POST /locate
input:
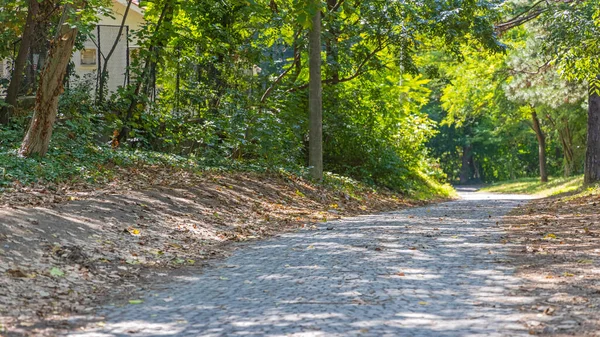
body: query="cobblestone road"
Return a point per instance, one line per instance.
(432, 271)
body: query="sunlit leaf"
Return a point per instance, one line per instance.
(57, 272)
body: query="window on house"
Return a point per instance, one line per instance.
(88, 57)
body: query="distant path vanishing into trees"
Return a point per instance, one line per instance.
(432, 271)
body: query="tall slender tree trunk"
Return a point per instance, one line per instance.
(566, 141)
(541, 145)
(315, 106)
(142, 81)
(567, 146)
(50, 87)
(592, 155)
(104, 72)
(511, 167)
(40, 44)
(465, 168)
(20, 62)
(331, 45)
(475, 169)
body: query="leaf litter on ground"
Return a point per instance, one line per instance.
(65, 249)
(555, 249)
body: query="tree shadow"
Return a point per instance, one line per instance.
(432, 271)
(124, 236)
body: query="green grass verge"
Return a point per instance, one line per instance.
(584, 192)
(554, 186)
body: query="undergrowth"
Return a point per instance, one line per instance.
(75, 156)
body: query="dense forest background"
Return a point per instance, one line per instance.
(400, 94)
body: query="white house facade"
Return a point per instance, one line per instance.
(89, 61)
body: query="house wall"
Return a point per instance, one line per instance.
(109, 27)
(135, 18)
(5, 66)
(107, 31)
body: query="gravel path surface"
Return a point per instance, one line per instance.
(432, 271)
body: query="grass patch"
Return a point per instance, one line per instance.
(587, 191)
(554, 186)
(429, 188)
(426, 188)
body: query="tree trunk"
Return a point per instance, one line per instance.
(50, 87)
(315, 147)
(475, 169)
(331, 45)
(151, 59)
(592, 155)
(567, 146)
(104, 72)
(541, 145)
(39, 45)
(465, 169)
(566, 141)
(20, 62)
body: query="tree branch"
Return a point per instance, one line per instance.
(505, 26)
(336, 6)
(359, 70)
(525, 11)
(282, 75)
(539, 70)
(519, 19)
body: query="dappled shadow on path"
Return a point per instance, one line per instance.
(109, 242)
(431, 271)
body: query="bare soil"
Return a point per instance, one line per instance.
(557, 250)
(64, 250)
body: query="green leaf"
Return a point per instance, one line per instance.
(57, 272)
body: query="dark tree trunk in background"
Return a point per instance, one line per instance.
(315, 107)
(143, 81)
(331, 44)
(475, 170)
(15, 82)
(511, 168)
(50, 87)
(566, 141)
(592, 155)
(465, 169)
(541, 145)
(40, 45)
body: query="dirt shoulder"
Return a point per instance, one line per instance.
(65, 250)
(557, 250)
